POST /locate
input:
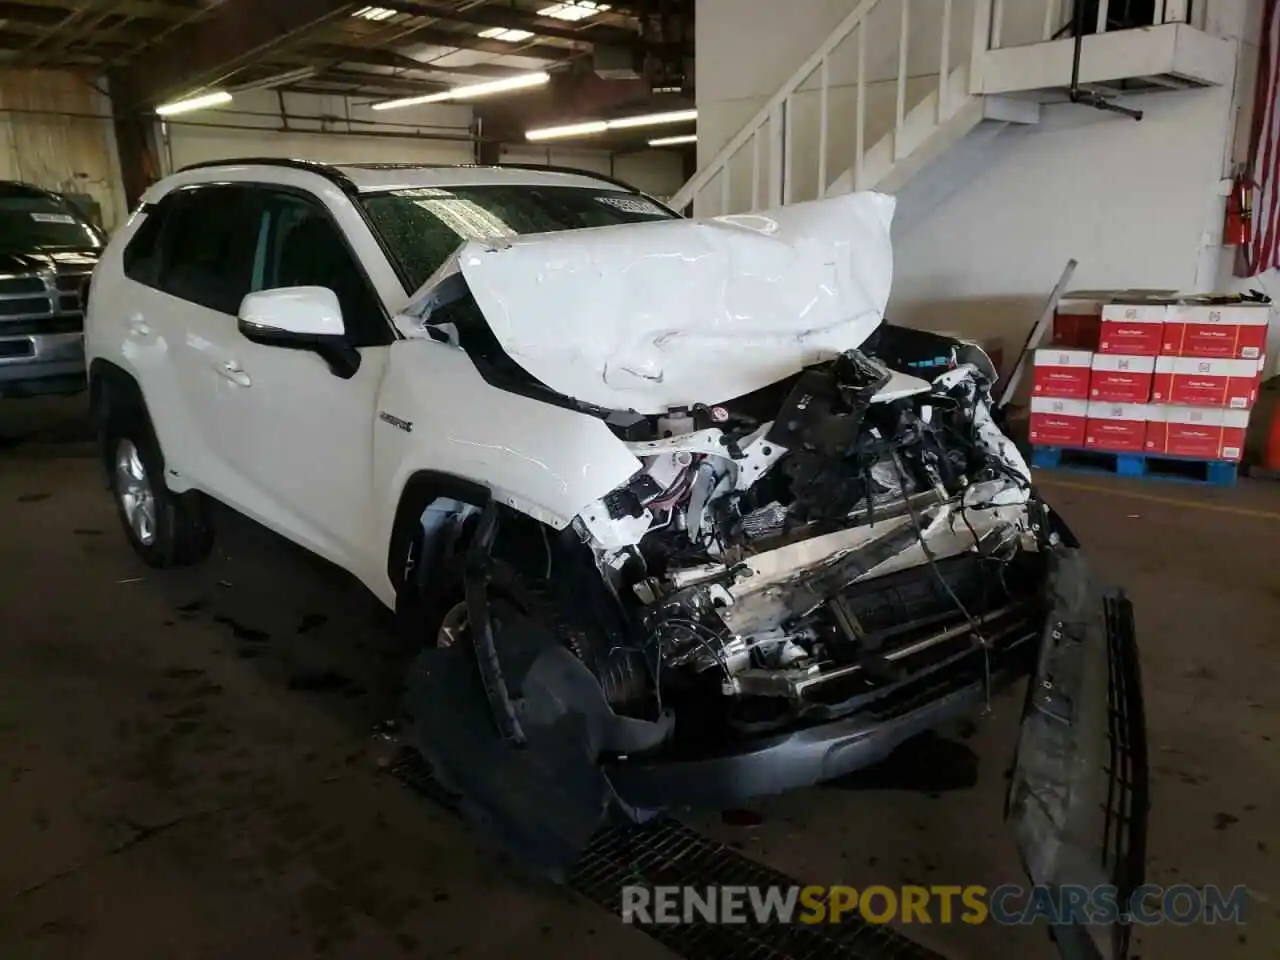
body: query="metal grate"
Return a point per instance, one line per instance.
(24, 306)
(14, 286)
(666, 852)
(72, 323)
(41, 304)
(1124, 840)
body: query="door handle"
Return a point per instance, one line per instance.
(138, 325)
(235, 373)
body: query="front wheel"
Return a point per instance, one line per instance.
(164, 529)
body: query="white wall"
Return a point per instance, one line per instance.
(748, 48)
(1131, 201)
(321, 128)
(990, 235)
(1247, 26)
(56, 132)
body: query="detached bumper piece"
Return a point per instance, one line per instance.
(1078, 800)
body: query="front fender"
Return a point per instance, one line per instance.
(436, 413)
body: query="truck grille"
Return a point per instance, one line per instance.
(41, 303)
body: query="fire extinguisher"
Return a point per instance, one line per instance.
(1235, 232)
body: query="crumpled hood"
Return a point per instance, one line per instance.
(653, 315)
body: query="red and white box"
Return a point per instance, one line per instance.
(1119, 378)
(1077, 323)
(1136, 329)
(1058, 423)
(1193, 382)
(1063, 374)
(1204, 433)
(1222, 332)
(1118, 427)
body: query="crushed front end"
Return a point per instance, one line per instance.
(815, 572)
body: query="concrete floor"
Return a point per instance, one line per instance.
(186, 766)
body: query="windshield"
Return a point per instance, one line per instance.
(421, 228)
(36, 221)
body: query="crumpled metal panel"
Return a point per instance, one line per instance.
(647, 316)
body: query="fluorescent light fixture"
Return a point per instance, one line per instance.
(519, 82)
(194, 103)
(510, 36)
(374, 13)
(674, 141)
(650, 119)
(568, 130)
(573, 10)
(587, 127)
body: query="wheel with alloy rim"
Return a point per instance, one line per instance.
(135, 497)
(165, 529)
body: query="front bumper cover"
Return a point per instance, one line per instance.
(1078, 797)
(954, 689)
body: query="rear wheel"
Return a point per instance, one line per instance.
(165, 530)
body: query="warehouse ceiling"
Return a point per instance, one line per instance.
(157, 50)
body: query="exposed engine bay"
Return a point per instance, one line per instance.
(756, 549)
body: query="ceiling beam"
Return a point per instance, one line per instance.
(406, 67)
(418, 73)
(347, 53)
(209, 51)
(40, 25)
(141, 9)
(376, 81)
(470, 41)
(514, 19)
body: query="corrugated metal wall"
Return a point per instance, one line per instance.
(55, 132)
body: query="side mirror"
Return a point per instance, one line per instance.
(291, 312)
(300, 318)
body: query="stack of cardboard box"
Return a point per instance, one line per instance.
(1163, 376)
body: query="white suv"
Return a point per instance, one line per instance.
(760, 536)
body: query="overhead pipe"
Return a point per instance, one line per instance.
(406, 135)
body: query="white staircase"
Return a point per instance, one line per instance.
(898, 84)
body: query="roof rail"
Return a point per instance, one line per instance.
(329, 172)
(576, 171)
(554, 168)
(344, 183)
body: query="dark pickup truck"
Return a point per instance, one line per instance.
(48, 249)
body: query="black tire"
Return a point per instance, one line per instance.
(174, 532)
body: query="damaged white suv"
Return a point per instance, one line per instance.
(675, 478)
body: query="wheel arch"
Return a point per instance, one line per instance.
(463, 498)
(114, 392)
(420, 490)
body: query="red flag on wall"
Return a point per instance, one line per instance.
(1262, 250)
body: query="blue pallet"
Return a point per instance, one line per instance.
(1218, 473)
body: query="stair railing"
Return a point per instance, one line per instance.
(769, 136)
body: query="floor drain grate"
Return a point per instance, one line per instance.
(666, 852)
